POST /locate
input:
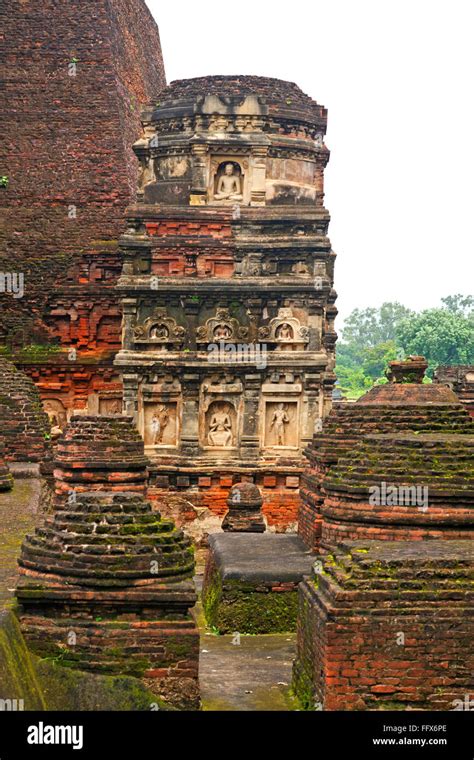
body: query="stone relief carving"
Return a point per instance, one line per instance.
(228, 183)
(160, 424)
(57, 415)
(159, 329)
(286, 331)
(281, 428)
(110, 405)
(218, 415)
(221, 328)
(300, 268)
(220, 431)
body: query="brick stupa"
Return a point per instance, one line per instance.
(103, 453)
(384, 623)
(405, 404)
(106, 585)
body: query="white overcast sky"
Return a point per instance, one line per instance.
(397, 79)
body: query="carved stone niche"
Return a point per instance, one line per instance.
(228, 181)
(219, 413)
(281, 423)
(159, 332)
(221, 329)
(110, 402)
(285, 331)
(56, 412)
(159, 413)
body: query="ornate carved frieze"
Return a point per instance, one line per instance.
(222, 328)
(286, 331)
(159, 330)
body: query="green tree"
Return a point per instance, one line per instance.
(459, 304)
(375, 359)
(442, 336)
(365, 328)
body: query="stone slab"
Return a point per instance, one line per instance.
(267, 557)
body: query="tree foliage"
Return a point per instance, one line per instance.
(374, 336)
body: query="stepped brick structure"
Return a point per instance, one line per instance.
(227, 292)
(388, 625)
(245, 505)
(398, 407)
(24, 425)
(77, 74)
(103, 453)
(6, 479)
(384, 620)
(460, 378)
(106, 585)
(395, 486)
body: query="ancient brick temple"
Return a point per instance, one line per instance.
(227, 291)
(106, 584)
(76, 75)
(385, 621)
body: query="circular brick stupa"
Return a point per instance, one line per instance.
(404, 486)
(106, 585)
(403, 405)
(103, 453)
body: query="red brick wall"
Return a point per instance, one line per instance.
(67, 142)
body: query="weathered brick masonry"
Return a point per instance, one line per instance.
(106, 584)
(394, 408)
(76, 75)
(386, 619)
(388, 625)
(24, 426)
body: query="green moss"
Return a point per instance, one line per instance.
(18, 678)
(235, 606)
(70, 689)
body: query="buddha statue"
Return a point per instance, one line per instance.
(229, 186)
(220, 428)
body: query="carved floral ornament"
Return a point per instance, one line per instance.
(159, 328)
(221, 328)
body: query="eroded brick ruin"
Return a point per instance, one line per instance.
(77, 75)
(108, 571)
(179, 330)
(24, 426)
(385, 621)
(395, 409)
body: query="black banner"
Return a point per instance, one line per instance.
(128, 735)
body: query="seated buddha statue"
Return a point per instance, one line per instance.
(229, 186)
